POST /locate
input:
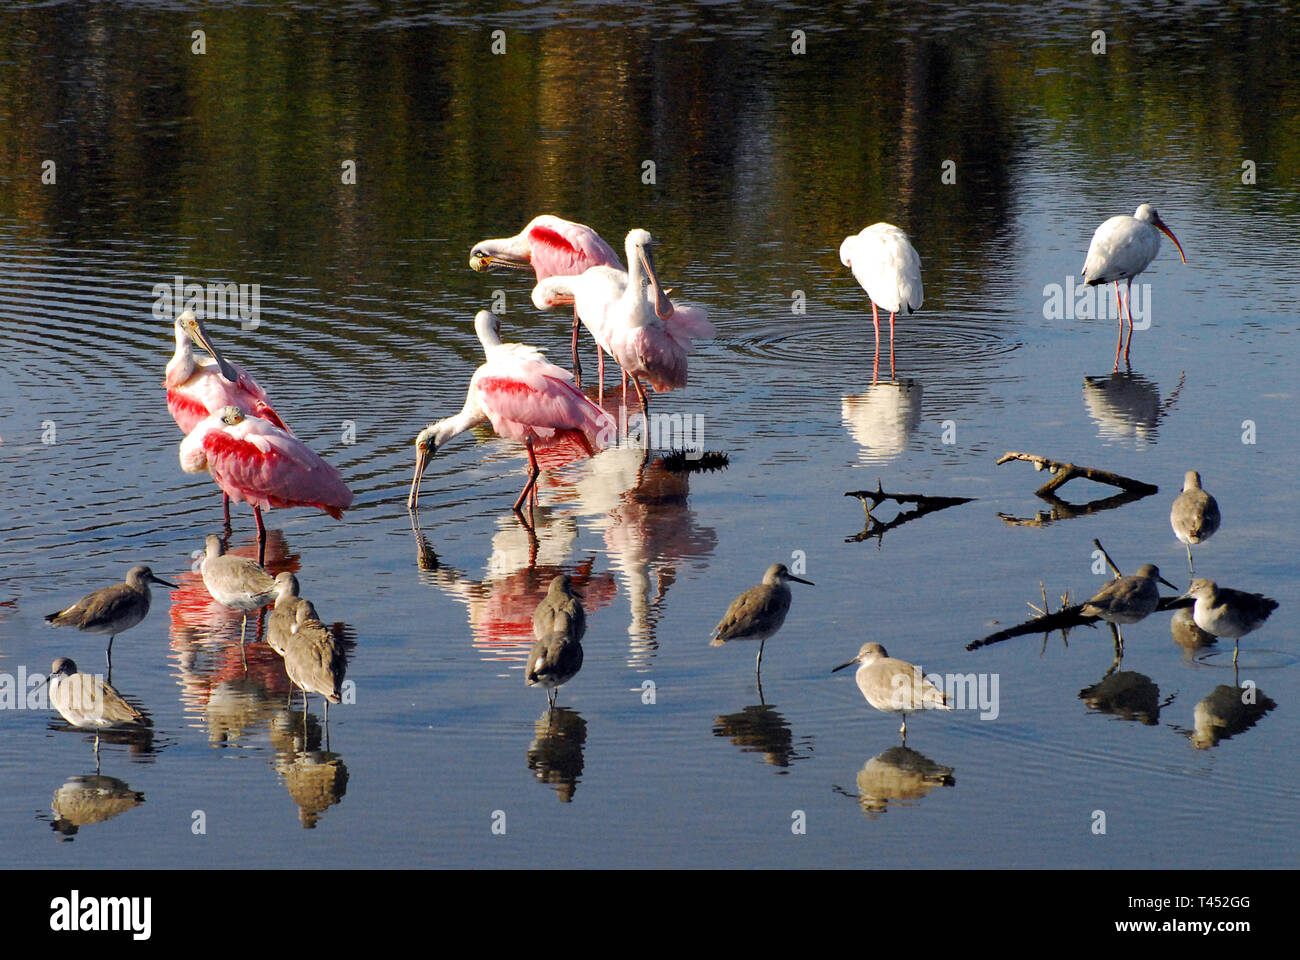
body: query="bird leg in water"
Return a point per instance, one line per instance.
(1119, 310)
(875, 323)
(533, 471)
(645, 411)
(1119, 642)
(261, 536)
(108, 657)
(577, 364)
(225, 504)
(1129, 305)
(891, 344)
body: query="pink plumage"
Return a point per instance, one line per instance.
(525, 397)
(197, 387)
(630, 315)
(550, 245)
(255, 461)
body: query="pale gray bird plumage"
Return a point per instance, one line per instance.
(893, 685)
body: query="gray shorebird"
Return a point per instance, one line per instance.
(85, 700)
(1228, 613)
(238, 582)
(560, 611)
(1127, 600)
(111, 610)
(313, 656)
(555, 659)
(894, 686)
(758, 612)
(1195, 514)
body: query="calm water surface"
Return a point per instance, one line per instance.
(226, 167)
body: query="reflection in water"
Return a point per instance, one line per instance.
(761, 729)
(882, 418)
(91, 798)
(899, 776)
(555, 755)
(1127, 405)
(517, 575)
(316, 779)
(1125, 694)
(1187, 634)
(642, 509)
(1226, 712)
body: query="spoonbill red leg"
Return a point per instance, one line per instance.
(261, 540)
(1119, 310)
(533, 472)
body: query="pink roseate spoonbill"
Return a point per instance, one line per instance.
(525, 397)
(648, 334)
(887, 266)
(255, 461)
(198, 387)
(1122, 248)
(552, 247)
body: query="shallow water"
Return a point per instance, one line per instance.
(202, 166)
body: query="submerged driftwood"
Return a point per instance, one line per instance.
(1063, 473)
(873, 498)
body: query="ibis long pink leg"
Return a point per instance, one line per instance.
(1129, 296)
(1119, 309)
(875, 323)
(891, 344)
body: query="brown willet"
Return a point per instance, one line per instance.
(1195, 514)
(313, 656)
(1127, 600)
(894, 686)
(238, 582)
(87, 701)
(758, 612)
(112, 609)
(1228, 613)
(560, 611)
(554, 660)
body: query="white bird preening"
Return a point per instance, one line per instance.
(884, 261)
(1122, 248)
(630, 316)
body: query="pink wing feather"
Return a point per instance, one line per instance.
(562, 248)
(259, 463)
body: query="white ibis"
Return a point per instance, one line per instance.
(884, 261)
(1122, 248)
